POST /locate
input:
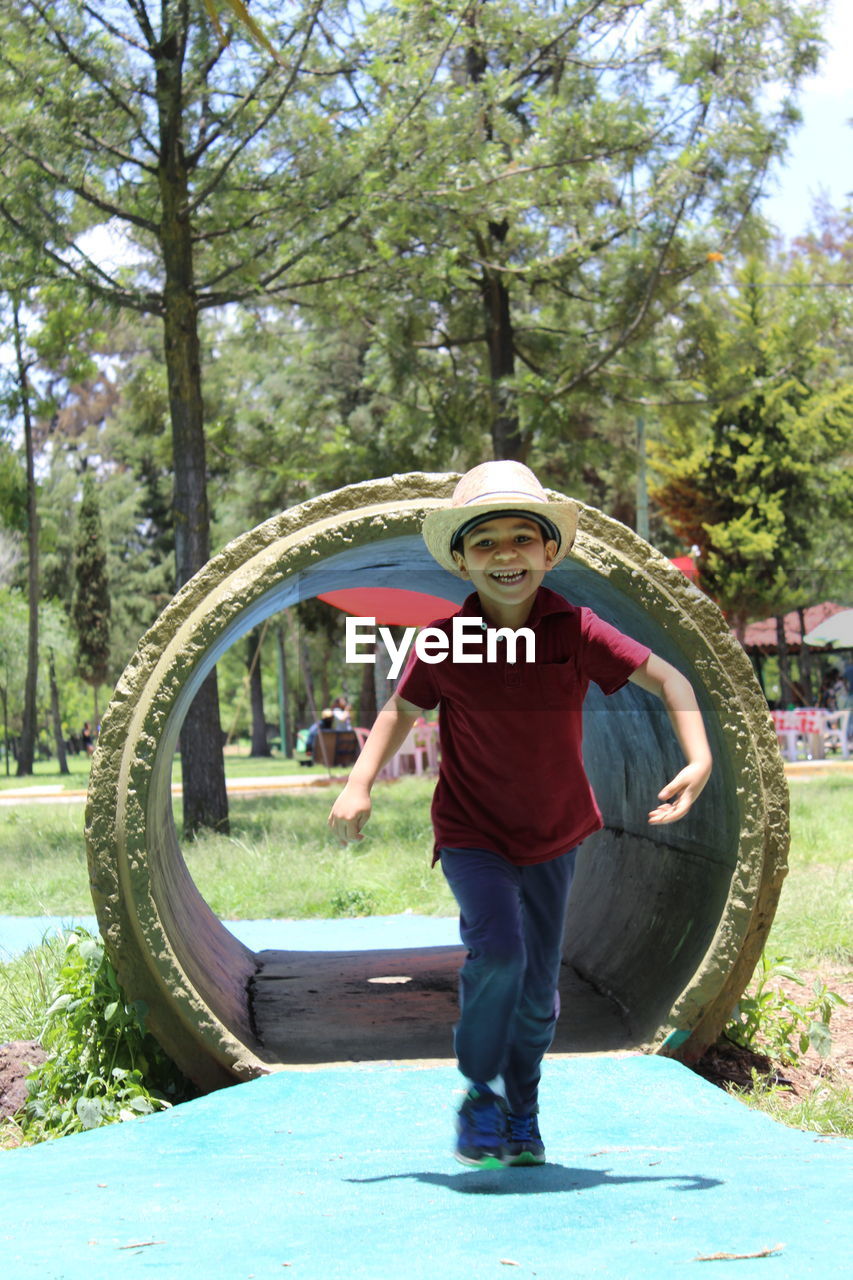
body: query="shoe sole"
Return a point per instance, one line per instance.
(526, 1158)
(484, 1162)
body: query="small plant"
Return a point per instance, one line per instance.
(353, 902)
(102, 1065)
(768, 1019)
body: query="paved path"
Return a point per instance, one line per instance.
(55, 793)
(344, 1173)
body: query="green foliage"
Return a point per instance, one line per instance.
(769, 1020)
(102, 1065)
(532, 205)
(755, 470)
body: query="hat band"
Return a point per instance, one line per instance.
(479, 498)
(550, 530)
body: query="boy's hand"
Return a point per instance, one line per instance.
(682, 791)
(349, 813)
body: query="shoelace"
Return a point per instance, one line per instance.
(520, 1127)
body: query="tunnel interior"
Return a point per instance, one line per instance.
(648, 906)
(644, 905)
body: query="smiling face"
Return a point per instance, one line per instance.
(505, 560)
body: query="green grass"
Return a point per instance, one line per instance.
(814, 921)
(26, 984)
(238, 764)
(279, 861)
(827, 1109)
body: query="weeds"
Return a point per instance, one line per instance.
(768, 1019)
(102, 1065)
(827, 1108)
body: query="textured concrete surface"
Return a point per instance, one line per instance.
(346, 1174)
(668, 924)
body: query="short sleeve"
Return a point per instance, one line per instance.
(418, 683)
(609, 657)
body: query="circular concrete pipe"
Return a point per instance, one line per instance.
(664, 925)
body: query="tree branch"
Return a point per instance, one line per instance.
(274, 107)
(86, 68)
(80, 189)
(101, 284)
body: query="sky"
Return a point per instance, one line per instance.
(821, 155)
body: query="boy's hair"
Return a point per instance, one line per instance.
(550, 532)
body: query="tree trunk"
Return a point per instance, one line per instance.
(787, 693)
(202, 768)
(367, 708)
(56, 716)
(26, 752)
(260, 745)
(5, 728)
(507, 440)
(805, 664)
(284, 727)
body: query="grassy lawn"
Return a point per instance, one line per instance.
(238, 764)
(280, 862)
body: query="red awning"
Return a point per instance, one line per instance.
(390, 606)
(687, 565)
(762, 635)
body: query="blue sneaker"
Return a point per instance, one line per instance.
(480, 1125)
(523, 1143)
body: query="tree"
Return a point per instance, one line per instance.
(91, 608)
(13, 630)
(556, 173)
(207, 153)
(754, 467)
(26, 752)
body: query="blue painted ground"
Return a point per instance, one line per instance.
(345, 1174)
(368, 933)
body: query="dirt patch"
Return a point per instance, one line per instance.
(17, 1060)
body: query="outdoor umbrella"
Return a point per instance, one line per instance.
(835, 632)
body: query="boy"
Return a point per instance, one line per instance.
(512, 802)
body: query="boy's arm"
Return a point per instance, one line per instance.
(676, 693)
(352, 807)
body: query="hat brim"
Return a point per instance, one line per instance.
(441, 526)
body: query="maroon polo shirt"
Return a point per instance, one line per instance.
(512, 778)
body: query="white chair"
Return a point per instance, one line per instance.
(413, 747)
(835, 731)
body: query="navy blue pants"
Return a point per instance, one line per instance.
(511, 921)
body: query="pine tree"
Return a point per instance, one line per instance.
(91, 608)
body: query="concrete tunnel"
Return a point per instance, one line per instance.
(664, 925)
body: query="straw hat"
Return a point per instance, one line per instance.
(501, 489)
